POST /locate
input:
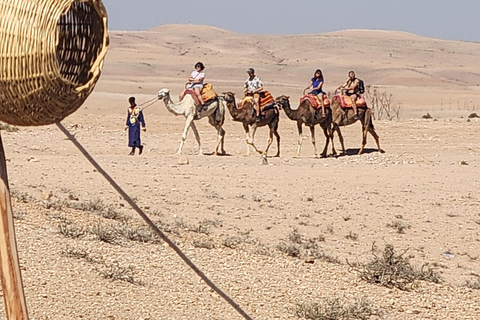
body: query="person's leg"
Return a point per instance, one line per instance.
(320, 97)
(132, 152)
(256, 104)
(354, 105)
(198, 92)
(182, 95)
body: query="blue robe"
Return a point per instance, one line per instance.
(134, 121)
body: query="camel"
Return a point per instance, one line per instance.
(215, 112)
(305, 114)
(246, 117)
(345, 117)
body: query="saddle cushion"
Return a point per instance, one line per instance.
(264, 101)
(314, 100)
(346, 101)
(207, 92)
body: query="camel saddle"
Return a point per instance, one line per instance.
(346, 101)
(315, 101)
(265, 101)
(207, 93)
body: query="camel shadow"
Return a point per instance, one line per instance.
(354, 151)
(219, 154)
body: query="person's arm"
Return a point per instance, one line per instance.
(259, 89)
(343, 85)
(353, 85)
(319, 86)
(310, 85)
(126, 123)
(142, 120)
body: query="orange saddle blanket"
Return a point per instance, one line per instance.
(264, 101)
(346, 101)
(314, 100)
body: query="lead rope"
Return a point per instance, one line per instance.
(153, 99)
(151, 224)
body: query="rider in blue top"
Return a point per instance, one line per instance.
(316, 85)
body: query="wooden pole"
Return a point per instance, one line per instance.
(15, 305)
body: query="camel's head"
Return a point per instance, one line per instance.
(229, 96)
(282, 101)
(163, 93)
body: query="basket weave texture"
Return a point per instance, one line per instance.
(51, 56)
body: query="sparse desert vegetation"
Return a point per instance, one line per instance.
(286, 238)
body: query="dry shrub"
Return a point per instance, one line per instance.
(7, 127)
(70, 230)
(204, 243)
(473, 284)
(289, 249)
(337, 309)
(381, 104)
(391, 269)
(398, 225)
(116, 272)
(106, 234)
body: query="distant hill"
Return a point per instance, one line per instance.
(165, 55)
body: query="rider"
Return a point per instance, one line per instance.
(195, 82)
(254, 87)
(351, 88)
(316, 84)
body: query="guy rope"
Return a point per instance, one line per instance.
(51, 56)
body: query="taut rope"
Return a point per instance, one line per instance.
(152, 225)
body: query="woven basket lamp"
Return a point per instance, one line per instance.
(51, 56)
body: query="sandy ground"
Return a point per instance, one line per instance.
(231, 214)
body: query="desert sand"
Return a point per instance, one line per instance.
(233, 214)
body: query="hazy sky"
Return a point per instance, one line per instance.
(444, 19)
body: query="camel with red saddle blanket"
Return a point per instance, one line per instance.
(343, 115)
(244, 113)
(307, 114)
(214, 109)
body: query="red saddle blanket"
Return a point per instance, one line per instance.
(264, 101)
(346, 101)
(314, 100)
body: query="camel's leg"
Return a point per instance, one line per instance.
(251, 142)
(220, 136)
(278, 141)
(188, 122)
(270, 140)
(197, 136)
(247, 138)
(222, 146)
(340, 137)
(369, 128)
(300, 139)
(375, 136)
(364, 139)
(314, 142)
(327, 133)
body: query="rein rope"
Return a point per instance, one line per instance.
(153, 99)
(151, 223)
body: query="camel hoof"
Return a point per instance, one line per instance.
(381, 151)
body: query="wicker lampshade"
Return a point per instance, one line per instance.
(51, 56)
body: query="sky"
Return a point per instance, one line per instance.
(442, 19)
